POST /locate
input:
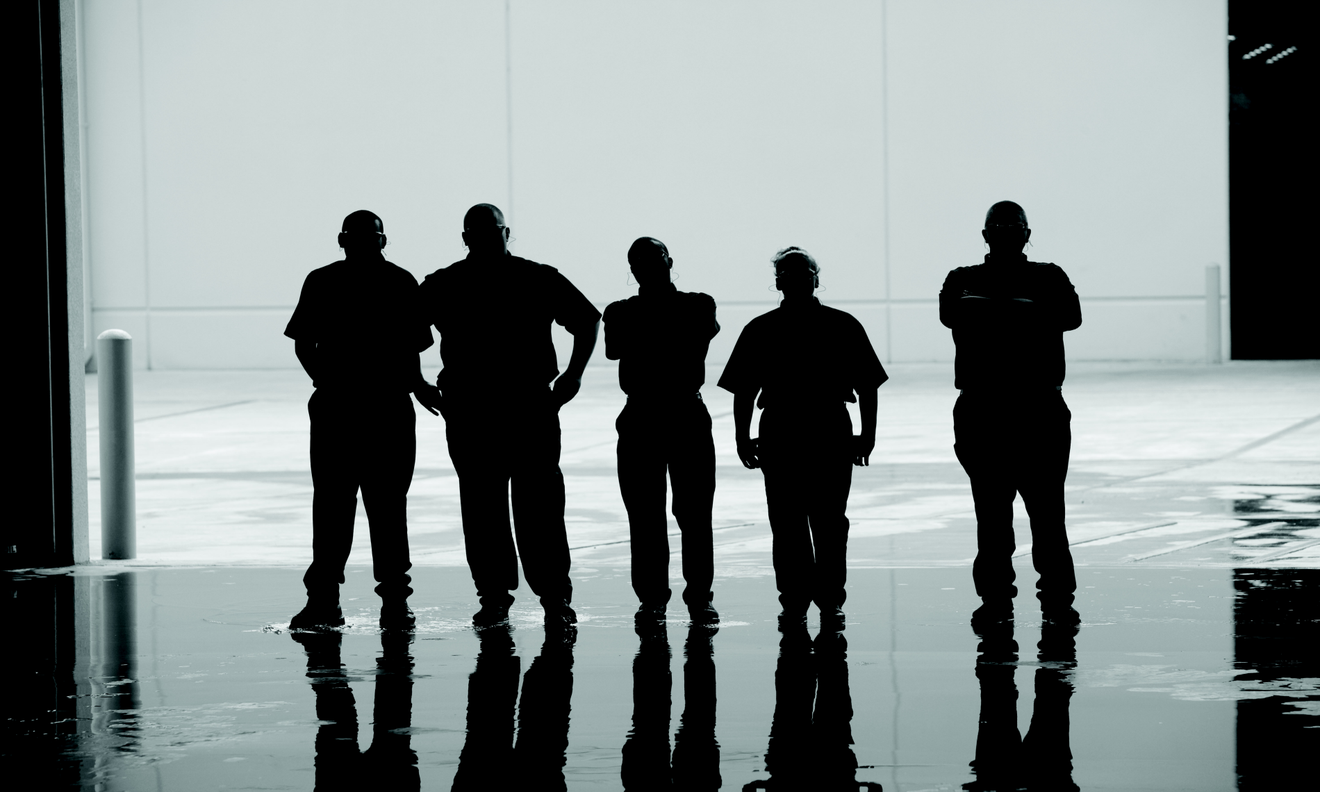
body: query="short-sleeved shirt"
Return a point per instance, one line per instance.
(660, 338)
(1007, 348)
(803, 353)
(494, 316)
(362, 316)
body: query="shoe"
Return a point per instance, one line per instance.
(396, 615)
(649, 615)
(832, 619)
(490, 616)
(558, 615)
(792, 620)
(318, 616)
(703, 613)
(992, 612)
(1061, 616)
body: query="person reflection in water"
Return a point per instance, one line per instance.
(491, 757)
(1010, 423)
(811, 735)
(805, 360)
(696, 757)
(390, 762)
(356, 335)
(660, 338)
(494, 312)
(1005, 760)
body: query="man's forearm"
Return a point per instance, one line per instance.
(306, 352)
(868, 402)
(743, 405)
(584, 343)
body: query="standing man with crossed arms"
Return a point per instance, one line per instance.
(1010, 424)
(493, 311)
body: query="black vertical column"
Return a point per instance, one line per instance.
(1273, 278)
(40, 532)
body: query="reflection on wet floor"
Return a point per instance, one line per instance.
(1179, 678)
(1004, 758)
(390, 762)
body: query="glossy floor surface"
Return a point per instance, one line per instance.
(186, 679)
(1194, 513)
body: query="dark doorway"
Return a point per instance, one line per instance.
(1273, 275)
(38, 531)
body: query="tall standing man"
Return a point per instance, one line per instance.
(805, 361)
(357, 335)
(1011, 425)
(660, 338)
(494, 311)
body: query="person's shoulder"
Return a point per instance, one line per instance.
(839, 316)
(621, 306)
(399, 274)
(328, 277)
(764, 321)
(1045, 269)
(961, 272)
(445, 273)
(836, 313)
(520, 264)
(330, 270)
(697, 299)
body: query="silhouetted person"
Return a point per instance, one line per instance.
(811, 736)
(491, 758)
(494, 311)
(390, 762)
(806, 361)
(1011, 425)
(660, 338)
(695, 764)
(1005, 760)
(357, 335)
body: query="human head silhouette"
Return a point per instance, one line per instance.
(362, 233)
(1006, 230)
(796, 272)
(650, 262)
(484, 231)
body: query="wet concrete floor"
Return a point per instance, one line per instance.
(1193, 509)
(181, 679)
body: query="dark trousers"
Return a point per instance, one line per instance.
(1017, 444)
(499, 449)
(673, 437)
(806, 457)
(365, 442)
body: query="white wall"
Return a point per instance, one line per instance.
(226, 141)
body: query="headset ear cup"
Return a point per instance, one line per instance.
(340, 239)
(382, 241)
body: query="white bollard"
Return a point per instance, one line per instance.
(114, 365)
(1214, 345)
